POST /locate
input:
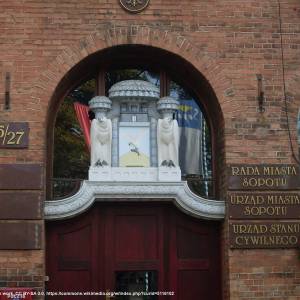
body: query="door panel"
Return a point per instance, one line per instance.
(191, 244)
(70, 256)
(134, 246)
(136, 237)
(194, 265)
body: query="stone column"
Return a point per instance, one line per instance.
(115, 142)
(153, 142)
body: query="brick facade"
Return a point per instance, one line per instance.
(228, 42)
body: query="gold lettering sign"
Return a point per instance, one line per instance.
(264, 205)
(249, 235)
(14, 135)
(263, 177)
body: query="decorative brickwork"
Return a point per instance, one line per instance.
(43, 44)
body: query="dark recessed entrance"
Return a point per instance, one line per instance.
(140, 247)
(135, 248)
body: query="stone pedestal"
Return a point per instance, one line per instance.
(164, 174)
(169, 174)
(134, 174)
(100, 174)
(123, 174)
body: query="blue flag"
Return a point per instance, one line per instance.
(189, 117)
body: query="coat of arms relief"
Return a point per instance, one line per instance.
(134, 6)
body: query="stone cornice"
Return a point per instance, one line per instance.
(92, 191)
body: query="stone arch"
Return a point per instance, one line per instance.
(59, 77)
(108, 35)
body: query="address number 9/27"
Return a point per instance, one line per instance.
(14, 135)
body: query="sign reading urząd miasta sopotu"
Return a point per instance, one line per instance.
(259, 192)
(264, 205)
(263, 177)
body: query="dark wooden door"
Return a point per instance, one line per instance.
(73, 256)
(134, 247)
(194, 265)
(135, 243)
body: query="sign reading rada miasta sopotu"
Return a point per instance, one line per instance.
(263, 177)
(260, 192)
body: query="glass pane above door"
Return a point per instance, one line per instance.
(138, 284)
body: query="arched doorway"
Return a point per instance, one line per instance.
(139, 246)
(135, 247)
(169, 67)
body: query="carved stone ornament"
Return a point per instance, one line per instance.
(134, 6)
(177, 192)
(133, 89)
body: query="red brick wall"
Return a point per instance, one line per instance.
(22, 269)
(229, 42)
(264, 274)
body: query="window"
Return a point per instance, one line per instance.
(71, 154)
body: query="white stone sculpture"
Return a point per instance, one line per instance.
(101, 133)
(167, 133)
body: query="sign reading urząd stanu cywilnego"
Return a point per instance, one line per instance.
(266, 234)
